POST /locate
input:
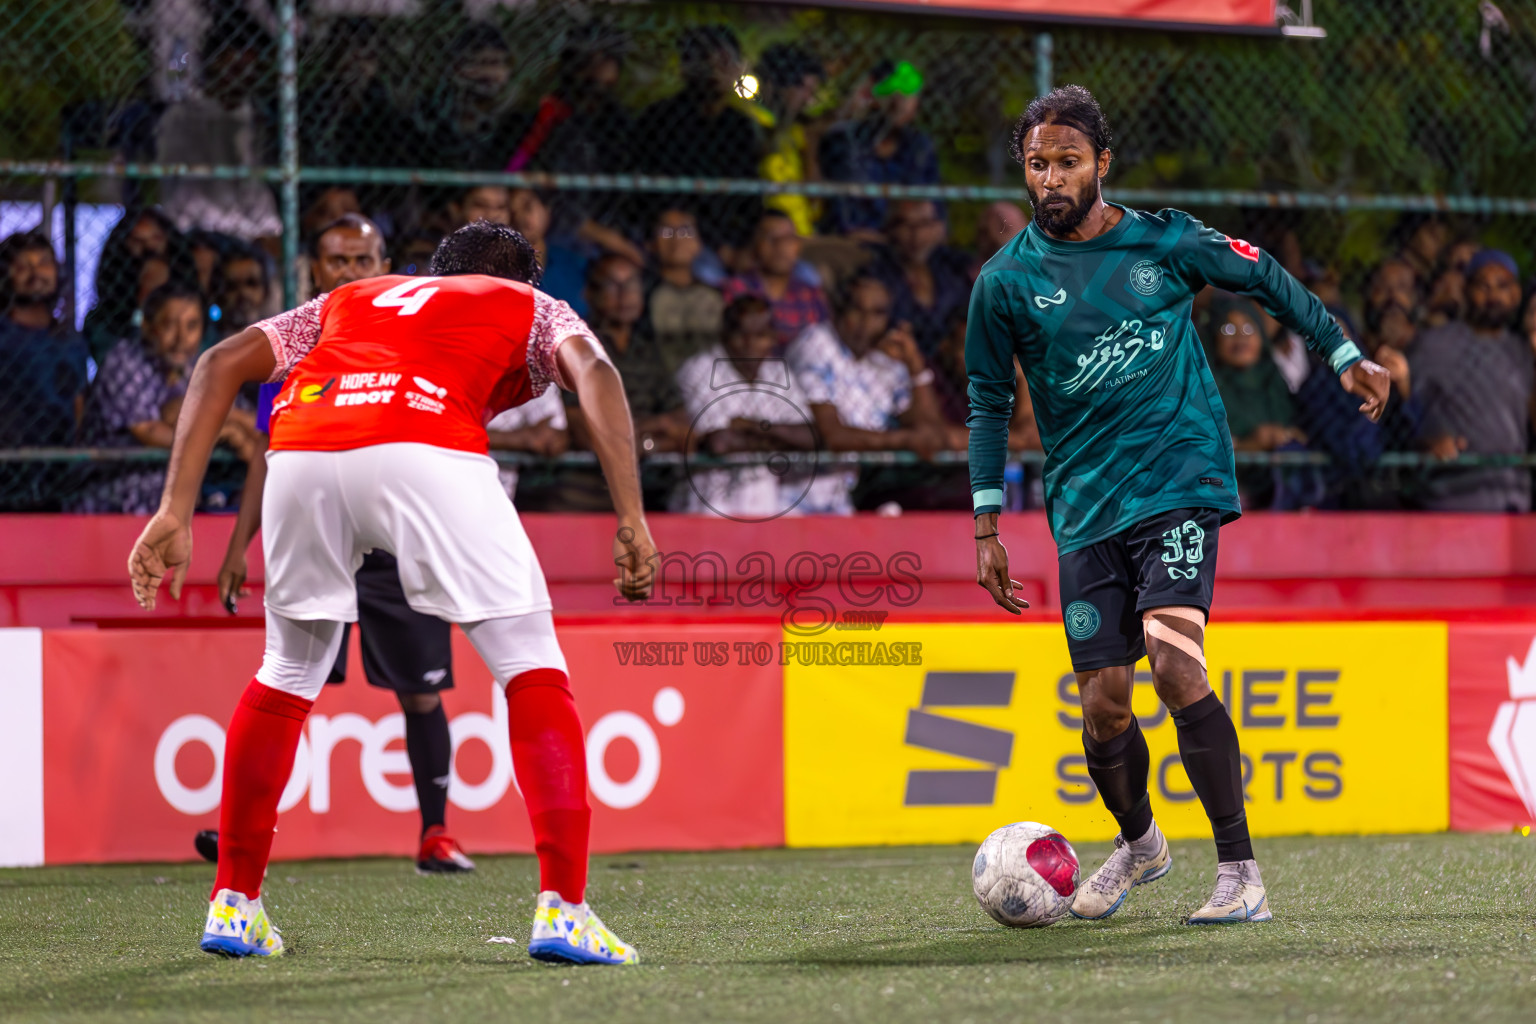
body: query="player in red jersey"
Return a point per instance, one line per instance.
(378, 441)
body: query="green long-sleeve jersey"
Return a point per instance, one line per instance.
(1129, 416)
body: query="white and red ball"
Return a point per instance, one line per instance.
(1025, 874)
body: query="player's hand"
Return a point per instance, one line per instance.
(1397, 366)
(992, 573)
(232, 581)
(927, 441)
(752, 434)
(1266, 437)
(1369, 381)
(549, 442)
(1447, 447)
(900, 345)
(240, 438)
(635, 555)
(164, 548)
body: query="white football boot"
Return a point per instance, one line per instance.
(1239, 896)
(1101, 894)
(239, 927)
(571, 933)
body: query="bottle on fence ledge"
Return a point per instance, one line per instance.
(1013, 486)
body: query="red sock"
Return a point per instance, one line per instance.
(258, 758)
(549, 754)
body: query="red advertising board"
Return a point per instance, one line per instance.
(1492, 726)
(682, 754)
(1252, 14)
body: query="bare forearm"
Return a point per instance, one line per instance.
(523, 439)
(1024, 438)
(667, 431)
(837, 436)
(576, 424)
(798, 436)
(248, 521)
(609, 240)
(246, 356)
(746, 434)
(152, 433)
(924, 408)
(209, 399)
(612, 435)
(923, 414)
(852, 439)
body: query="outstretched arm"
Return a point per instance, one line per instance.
(1208, 256)
(585, 369)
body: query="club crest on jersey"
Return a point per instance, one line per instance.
(1146, 277)
(1247, 250)
(1042, 301)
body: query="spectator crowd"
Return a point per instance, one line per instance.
(742, 325)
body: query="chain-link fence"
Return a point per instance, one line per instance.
(171, 160)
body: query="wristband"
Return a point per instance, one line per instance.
(1345, 356)
(922, 379)
(985, 536)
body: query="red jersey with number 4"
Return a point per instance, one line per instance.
(424, 359)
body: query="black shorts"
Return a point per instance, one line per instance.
(403, 650)
(1164, 561)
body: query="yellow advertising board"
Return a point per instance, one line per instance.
(1342, 725)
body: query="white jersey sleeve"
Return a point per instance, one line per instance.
(293, 334)
(553, 322)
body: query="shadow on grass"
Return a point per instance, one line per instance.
(972, 947)
(294, 983)
(1239, 946)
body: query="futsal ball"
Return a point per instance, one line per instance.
(1024, 875)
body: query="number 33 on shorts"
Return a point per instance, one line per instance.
(1185, 544)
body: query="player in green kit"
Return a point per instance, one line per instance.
(1093, 300)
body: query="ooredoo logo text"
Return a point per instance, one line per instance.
(386, 771)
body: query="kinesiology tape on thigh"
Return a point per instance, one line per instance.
(1163, 632)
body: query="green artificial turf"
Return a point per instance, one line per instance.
(1365, 929)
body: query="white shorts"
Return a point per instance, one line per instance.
(442, 513)
(300, 653)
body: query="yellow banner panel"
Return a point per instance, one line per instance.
(941, 733)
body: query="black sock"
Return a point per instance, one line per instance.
(430, 748)
(1208, 746)
(1118, 767)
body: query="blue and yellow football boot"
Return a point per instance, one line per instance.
(571, 933)
(239, 927)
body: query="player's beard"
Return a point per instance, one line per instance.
(1491, 317)
(1061, 220)
(48, 297)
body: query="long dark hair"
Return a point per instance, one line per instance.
(117, 275)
